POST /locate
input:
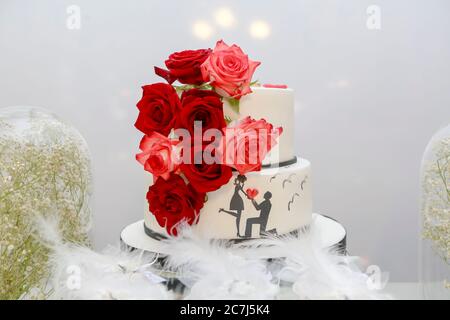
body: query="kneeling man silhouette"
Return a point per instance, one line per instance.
(264, 207)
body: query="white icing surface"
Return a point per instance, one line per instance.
(275, 106)
(285, 184)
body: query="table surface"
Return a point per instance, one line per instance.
(397, 290)
(404, 290)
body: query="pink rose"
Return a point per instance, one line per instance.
(247, 142)
(229, 70)
(159, 155)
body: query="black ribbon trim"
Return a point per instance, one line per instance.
(278, 165)
(340, 247)
(153, 234)
(281, 164)
(159, 236)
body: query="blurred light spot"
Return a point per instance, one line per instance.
(259, 29)
(339, 84)
(224, 17)
(202, 30)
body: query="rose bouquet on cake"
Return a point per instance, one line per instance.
(189, 146)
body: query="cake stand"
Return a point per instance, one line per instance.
(332, 236)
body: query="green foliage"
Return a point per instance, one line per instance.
(234, 104)
(228, 120)
(185, 87)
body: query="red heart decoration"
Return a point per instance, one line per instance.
(252, 193)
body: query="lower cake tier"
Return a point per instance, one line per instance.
(274, 200)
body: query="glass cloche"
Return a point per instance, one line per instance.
(44, 172)
(435, 209)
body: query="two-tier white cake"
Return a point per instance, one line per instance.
(283, 201)
(255, 186)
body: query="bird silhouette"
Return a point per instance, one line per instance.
(288, 179)
(292, 200)
(303, 182)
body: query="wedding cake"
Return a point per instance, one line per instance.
(220, 150)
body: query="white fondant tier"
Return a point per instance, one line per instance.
(275, 106)
(288, 209)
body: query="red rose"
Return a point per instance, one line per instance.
(200, 105)
(157, 109)
(184, 66)
(229, 70)
(206, 177)
(159, 155)
(171, 201)
(247, 142)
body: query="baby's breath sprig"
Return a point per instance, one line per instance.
(44, 170)
(436, 201)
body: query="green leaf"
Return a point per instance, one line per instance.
(254, 83)
(205, 86)
(228, 120)
(185, 87)
(182, 88)
(234, 104)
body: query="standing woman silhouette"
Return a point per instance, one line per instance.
(236, 203)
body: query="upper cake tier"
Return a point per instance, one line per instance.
(276, 106)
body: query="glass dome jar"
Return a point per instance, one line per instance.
(44, 171)
(435, 214)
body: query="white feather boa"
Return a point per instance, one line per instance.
(215, 270)
(114, 274)
(317, 273)
(208, 269)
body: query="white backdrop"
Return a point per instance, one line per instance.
(367, 100)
